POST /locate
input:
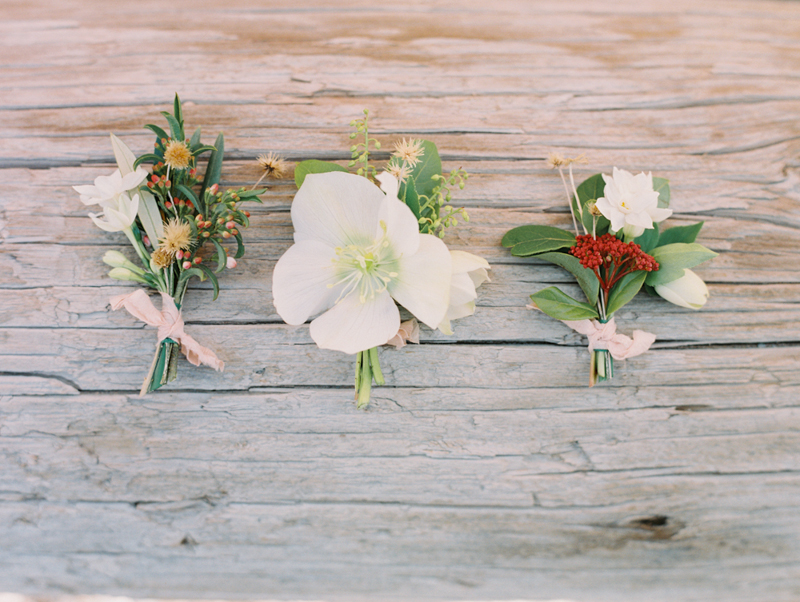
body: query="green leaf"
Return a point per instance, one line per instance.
(189, 194)
(586, 278)
(561, 306)
(176, 109)
(251, 195)
(186, 274)
(531, 240)
(195, 141)
(648, 239)
(661, 186)
(674, 258)
(213, 278)
(408, 194)
(201, 149)
(148, 157)
(589, 191)
(157, 131)
(239, 245)
(428, 166)
(625, 290)
(314, 166)
(222, 257)
(214, 167)
(686, 234)
(174, 127)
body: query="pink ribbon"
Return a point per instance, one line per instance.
(169, 323)
(409, 332)
(604, 336)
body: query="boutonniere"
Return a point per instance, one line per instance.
(367, 244)
(180, 224)
(617, 249)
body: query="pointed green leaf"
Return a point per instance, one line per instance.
(157, 131)
(195, 141)
(174, 127)
(314, 166)
(201, 149)
(188, 193)
(586, 278)
(561, 306)
(686, 234)
(624, 291)
(222, 257)
(148, 157)
(178, 111)
(674, 258)
(213, 278)
(239, 245)
(187, 274)
(531, 240)
(214, 168)
(591, 189)
(661, 186)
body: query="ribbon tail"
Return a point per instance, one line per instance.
(623, 347)
(197, 354)
(139, 305)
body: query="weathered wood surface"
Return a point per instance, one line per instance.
(485, 469)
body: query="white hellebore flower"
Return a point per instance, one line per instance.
(469, 272)
(120, 216)
(688, 291)
(106, 189)
(355, 250)
(630, 203)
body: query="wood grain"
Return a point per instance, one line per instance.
(485, 469)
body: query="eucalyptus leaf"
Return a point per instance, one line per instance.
(686, 234)
(561, 306)
(532, 240)
(586, 278)
(310, 166)
(674, 258)
(408, 194)
(625, 290)
(429, 165)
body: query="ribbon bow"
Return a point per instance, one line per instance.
(169, 323)
(408, 333)
(605, 336)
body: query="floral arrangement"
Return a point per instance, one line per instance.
(361, 249)
(170, 216)
(617, 250)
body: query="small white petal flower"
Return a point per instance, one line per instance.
(120, 216)
(688, 291)
(630, 203)
(106, 189)
(469, 272)
(355, 250)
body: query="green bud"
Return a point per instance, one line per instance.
(117, 260)
(377, 144)
(126, 274)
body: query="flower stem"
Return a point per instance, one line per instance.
(364, 380)
(376, 366)
(569, 201)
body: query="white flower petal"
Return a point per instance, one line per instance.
(336, 208)
(301, 279)
(389, 184)
(133, 179)
(611, 213)
(423, 282)
(467, 262)
(687, 291)
(640, 219)
(402, 228)
(351, 326)
(659, 215)
(462, 289)
(478, 277)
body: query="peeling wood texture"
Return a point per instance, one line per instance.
(485, 469)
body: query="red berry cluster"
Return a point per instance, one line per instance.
(610, 258)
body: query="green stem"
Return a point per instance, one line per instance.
(365, 382)
(376, 366)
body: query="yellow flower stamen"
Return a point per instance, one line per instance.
(177, 155)
(409, 151)
(177, 236)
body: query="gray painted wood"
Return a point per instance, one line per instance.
(485, 469)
